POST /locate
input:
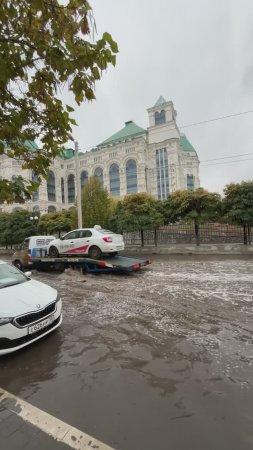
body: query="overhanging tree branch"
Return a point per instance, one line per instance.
(50, 34)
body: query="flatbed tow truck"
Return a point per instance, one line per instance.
(119, 264)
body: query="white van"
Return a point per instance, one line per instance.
(32, 247)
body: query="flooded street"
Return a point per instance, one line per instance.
(158, 360)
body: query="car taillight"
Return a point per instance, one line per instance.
(107, 239)
(101, 264)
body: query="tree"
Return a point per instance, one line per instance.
(45, 45)
(56, 222)
(137, 212)
(198, 206)
(96, 204)
(237, 206)
(3, 226)
(15, 227)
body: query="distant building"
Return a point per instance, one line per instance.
(159, 161)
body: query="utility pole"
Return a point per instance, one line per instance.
(78, 189)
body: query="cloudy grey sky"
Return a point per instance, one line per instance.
(197, 53)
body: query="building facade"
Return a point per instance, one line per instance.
(159, 161)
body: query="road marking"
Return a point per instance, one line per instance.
(60, 431)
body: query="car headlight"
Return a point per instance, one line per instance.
(5, 320)
(58, 298)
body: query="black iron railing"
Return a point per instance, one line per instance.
(210, 233)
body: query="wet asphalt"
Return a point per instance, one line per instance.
(158, 360)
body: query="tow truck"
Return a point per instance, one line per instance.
(33, 253)
(119, 264)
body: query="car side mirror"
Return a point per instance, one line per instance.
(28, 274)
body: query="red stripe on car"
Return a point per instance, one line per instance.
(78, 249)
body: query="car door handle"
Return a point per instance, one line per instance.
(88, 240)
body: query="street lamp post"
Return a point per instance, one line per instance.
(34, 218)
(78, 189)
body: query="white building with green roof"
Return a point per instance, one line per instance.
(158, 160)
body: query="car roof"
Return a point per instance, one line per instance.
(81, 229)
(41, 237)
(91, 229)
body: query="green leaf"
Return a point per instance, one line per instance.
(95, 73)
(69, 108)
(108, 38)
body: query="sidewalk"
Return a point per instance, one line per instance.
(175, 249)
(24, 426)
(17, 434)
(186, 249)
(4, 251)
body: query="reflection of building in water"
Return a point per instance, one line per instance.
(159, 160)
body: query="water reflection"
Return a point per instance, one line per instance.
(24, 370)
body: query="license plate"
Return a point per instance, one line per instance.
(43, 324)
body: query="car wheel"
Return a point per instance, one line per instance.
(41, 267)
(59, 267)
(53, 252)
(95, 252)
(18, 264)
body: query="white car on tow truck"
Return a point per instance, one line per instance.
(93, 242)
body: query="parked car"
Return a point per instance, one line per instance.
(93, 242)
(29, 309)
(32, 247)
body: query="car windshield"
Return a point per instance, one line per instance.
(9, 276)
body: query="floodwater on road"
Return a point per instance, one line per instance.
(161, 359)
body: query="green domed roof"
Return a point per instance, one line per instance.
(129, 131)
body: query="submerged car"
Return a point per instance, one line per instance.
(29, 309)
(93, 242)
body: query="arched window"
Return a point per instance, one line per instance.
(71, 189)
(17, 208)
(131, 176)
(84, 178)
(99, 175)
(160, 117)
(36, 208)
(62, 191)
(157, 115)
(114, 180)
(51, 186)
(13, 178)
(35, 195)
(190, 182)
(51, 208)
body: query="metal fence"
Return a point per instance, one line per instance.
(184, 233)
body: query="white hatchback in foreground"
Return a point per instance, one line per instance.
(87, 241)
(29, 309)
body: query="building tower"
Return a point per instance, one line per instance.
(167, 160)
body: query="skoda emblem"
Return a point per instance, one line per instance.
(38, 306)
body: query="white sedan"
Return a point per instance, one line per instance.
(87, 241)
(29, 309)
